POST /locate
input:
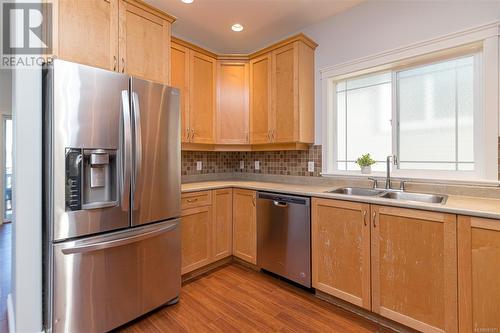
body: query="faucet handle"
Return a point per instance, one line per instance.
(375, 182)
(402, 184)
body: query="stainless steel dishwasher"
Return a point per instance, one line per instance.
(284, 236)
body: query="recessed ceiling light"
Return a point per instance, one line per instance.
(237, 27)
(187, 1)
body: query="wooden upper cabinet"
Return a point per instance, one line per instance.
(223, 223)
(341, 250)
(285, 94)
(245, 225)
(202, 70)
(86, 32)
(414, 268)
(180, 79)
(144, 39)
(479, 271)
(260, 99)
(232, 118)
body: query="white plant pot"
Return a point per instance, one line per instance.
(366, 170)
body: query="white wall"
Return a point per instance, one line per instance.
(377, 26)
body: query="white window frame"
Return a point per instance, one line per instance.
(486, 131)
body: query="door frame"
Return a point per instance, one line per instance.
(3, 155)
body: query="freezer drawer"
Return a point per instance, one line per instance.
(103, 282)
(284, 236)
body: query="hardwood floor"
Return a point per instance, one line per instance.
(237, 299)
(5, 264)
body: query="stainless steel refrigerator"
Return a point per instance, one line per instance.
(111, 151)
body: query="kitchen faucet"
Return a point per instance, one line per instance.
(388, 175)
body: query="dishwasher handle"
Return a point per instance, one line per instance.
(280, 204)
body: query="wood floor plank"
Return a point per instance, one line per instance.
(235, 298)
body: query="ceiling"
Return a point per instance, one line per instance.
(207, 23)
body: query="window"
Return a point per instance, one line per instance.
(426, 115)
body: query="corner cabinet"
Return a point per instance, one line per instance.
(245, 225)
(478, 274)
(414, 268)
(128, 36)
(341, 250)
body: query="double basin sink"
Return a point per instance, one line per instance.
(392, 194)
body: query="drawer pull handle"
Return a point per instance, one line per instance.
(374, 219)
(364, 218)
(192, 200)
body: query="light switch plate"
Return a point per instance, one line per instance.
(310, 166)
(242, 165)
(257, 165)
(199, 166)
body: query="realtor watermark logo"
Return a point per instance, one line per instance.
(26, 33)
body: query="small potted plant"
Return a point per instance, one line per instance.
(365, 162)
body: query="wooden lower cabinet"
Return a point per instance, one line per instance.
(479, 274)
(196, 238)
(245, 225)
(414, 268)
(341, 250)
(223, 223)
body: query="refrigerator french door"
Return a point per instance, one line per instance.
(112, 197)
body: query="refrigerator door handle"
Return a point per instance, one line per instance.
(138, 150)
(126, 152)
(117, 242)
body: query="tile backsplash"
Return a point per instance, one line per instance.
(290, 163)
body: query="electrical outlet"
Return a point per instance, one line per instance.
(242, 165)
(199, 166)
(257, 165)
(310, 166)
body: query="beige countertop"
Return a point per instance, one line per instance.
(462, 205)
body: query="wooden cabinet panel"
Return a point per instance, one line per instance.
(86, 32)
(260, 99)
(479, 272)
(232, 103)
(202, 97)
(285, 93)
(341, 250)
(414, 268)
(179, 70)
(245, 225)
(196, 234)
(223, 223)
(144, 42)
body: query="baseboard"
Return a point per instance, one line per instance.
(373, 317)
(10, 314)
(205, 269)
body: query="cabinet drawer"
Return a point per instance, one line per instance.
(196, 199)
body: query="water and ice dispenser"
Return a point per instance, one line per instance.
(91, 178)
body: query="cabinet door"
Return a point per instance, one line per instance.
(244, 225)
(86, 32)
(232, 103)
(414, 268)
(196, 234)
(180, 79)
(202, 97)
(260, 99)
(285, 94)
(223, 223)
(479, 272)
(341, 250)
(144, 40)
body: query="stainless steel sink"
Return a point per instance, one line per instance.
(392, 194)
(357, 191)
(419, 197)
